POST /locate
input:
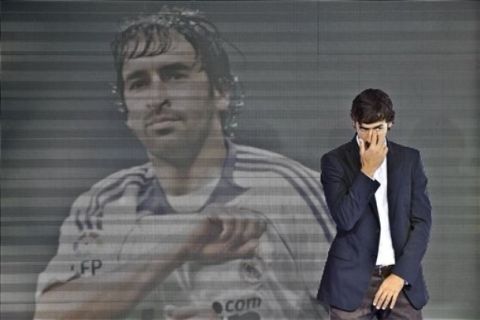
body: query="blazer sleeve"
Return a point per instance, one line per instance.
(346, 200)
(407, 265)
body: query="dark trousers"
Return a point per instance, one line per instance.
(403, 310)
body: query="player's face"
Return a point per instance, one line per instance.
(171, 105)
(365, 130)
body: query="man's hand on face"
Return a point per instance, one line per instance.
(225, 233)
(372, 152)
(387, 294)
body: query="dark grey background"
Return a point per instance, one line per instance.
(303, 64)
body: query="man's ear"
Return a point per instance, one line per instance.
(128, 122)
(389, 125)
(222, 100)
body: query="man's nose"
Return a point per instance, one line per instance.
(158, 96)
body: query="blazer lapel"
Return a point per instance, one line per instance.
(353, 158)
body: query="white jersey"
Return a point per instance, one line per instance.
(127, 213)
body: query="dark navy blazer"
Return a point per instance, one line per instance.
(351, 201)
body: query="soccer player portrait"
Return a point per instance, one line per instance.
(207, 228)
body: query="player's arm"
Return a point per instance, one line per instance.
(347, 201)
(210, 239)
(108, 295)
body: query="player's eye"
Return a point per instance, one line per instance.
(137, 84)
(368, 129)
(173, 75)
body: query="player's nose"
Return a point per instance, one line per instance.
(158, 97)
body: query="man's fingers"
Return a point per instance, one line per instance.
(394, 300)
(247, 249)
(387, 294)
(376, 138)
(250, 229)
(215, 224)
(381, 300)
(387, 299)
(380, 297)
(228, 225)
(362, 147)
(254, 229)
(238, 232)
(377, 297)
(232, 232)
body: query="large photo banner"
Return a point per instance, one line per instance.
(165, 160)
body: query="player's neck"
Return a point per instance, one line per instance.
(181, 179)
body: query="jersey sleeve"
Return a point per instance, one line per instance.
(90, 238)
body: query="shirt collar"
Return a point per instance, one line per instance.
(152, 197)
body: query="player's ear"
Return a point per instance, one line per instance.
(389, 125)
(126, 119)
(222, 100)
(129, 124)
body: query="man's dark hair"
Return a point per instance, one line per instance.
(151, 35)
(372, 105)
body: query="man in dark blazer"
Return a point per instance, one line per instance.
(376, 193)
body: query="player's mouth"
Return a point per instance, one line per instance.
(163, 124)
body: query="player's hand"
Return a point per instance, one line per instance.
(387, 294)
(190, 313)
(372, 152)
(225, 233)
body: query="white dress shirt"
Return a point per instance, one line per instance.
(386, 254)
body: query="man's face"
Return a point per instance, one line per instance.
(171, 106)
(366, 131)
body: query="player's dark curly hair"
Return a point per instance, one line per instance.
(372, 105)
(150, 35)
